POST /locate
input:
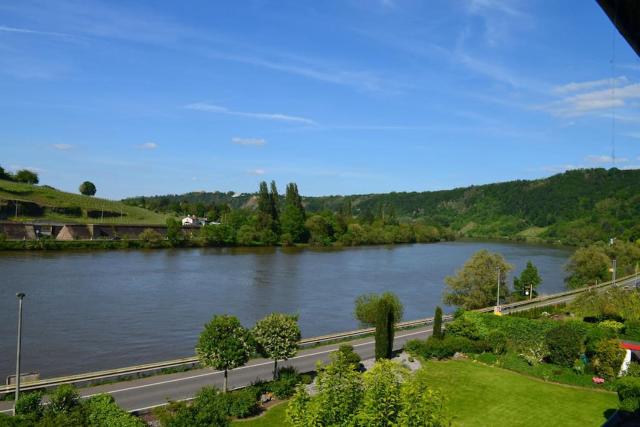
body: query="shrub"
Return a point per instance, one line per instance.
(349, 355)
(285, 385)
(434, 348)
(628, 389)
(565, 343)
(595, 336)
(30, 404)
(632, 330)
(608, 358)
(497, 342)
(535, 353)
(102, 410)
(614, 326)
(633, 370)
(465, 326)
(242, 403)
(64, 399)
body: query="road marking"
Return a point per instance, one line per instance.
(244, 367)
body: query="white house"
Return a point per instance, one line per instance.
(189, 220)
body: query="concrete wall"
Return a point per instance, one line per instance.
(20, 231)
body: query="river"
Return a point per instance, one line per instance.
(87, 311)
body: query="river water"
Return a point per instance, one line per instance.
(87, 311)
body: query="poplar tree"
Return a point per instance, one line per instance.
(293, 215)
(437, 324)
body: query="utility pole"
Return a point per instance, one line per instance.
(20, 297)
(635, 281)
(613, 271)
(531, 291)
(498, 296)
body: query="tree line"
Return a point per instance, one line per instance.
(576, 207)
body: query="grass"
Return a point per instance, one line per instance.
(544, 371)
(60, 206)
(481, 395)
(274, 417)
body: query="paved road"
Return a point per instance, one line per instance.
(146, 393)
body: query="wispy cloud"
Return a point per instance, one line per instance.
(249, 141)
(62, 147)
(211, 108)
(589, 85)
(6, 29)
(148, 146)
(599, 159)
(594, 101)
(257, 171)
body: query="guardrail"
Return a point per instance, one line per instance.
(150, 368)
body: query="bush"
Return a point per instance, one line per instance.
(63, 399)
(633, 370)
(497, 342)
(595, 336)
(30, 404)
(102, 410)
(349, 356)
(465, 326)
(285, 386)
(434, 348)
(632, 330)
(614, 326)
(628, 389)
(242, 403)
(608, 358)
(565, 344)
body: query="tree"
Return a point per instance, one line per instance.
(475, 284)
(366, 307)
(224, 344)
(527, 282)
(381, 399)
(87, 188)
(586, 266)
(320, 230)
(293, 215)
(277, 336)
(385, 327)
(5, 175)
(382, 311)
(339, 395)
(174, 231)
(437, 324)
(26, 176)
(421, 405)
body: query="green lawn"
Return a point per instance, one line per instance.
(481, 395)
(274, 417)
(51, 199)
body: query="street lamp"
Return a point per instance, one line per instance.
(498, 296)
(20, 298)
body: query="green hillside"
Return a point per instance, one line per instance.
(574, 207)
(44, 203)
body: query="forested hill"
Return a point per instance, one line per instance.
(573, 207)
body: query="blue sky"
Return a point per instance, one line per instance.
(342, 97)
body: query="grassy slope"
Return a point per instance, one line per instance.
(50, 198)
(274, 417)
(481, 395)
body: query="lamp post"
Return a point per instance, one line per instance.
(498, 296)
(20, 298)
(613, 272)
